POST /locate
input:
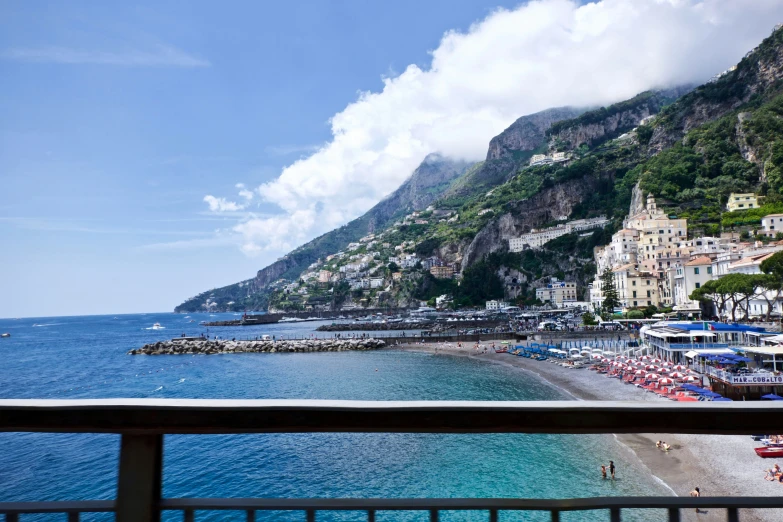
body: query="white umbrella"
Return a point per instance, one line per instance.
(640, 372)
(653, 376)
(665, 381)
(679, 368)
(677, 375)
(691, 378)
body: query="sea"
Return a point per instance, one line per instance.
(86, 357)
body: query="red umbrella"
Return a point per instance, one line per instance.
(680, 368)
(691, 378)
(656, 360)
(665, 381)
(640, 372)
(645, 357)
(651, 367)
(653, 376)
(677, 375)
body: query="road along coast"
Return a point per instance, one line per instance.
(717, 464)
(192, 346)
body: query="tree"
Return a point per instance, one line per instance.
(635, 314)
(588, 319)
(393, 267)
(772, 281)
(611, 299)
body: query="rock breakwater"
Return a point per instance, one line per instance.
(210, 347)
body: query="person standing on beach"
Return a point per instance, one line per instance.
(696, 494)
(611, 468)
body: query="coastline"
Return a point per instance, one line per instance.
(717, 464)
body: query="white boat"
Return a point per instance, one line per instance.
(290, 320)
(5, 335)
(156, 326)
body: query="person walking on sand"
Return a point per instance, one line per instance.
(611, 468)
(696, 494)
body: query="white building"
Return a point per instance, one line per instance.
(772, 224)
(557, 292)
(689, 277)
(496, 305)
(538, 238)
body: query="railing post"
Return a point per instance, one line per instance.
(140, 480)
(674, 515)
(614, 515)
(732, 515)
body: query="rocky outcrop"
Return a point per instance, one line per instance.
(528, 132)
(638, 201)
(757, 73)
(544, 207)
(211, 347)
(596, 126)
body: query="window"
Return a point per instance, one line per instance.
(635, 303)
(648, 282)
(634, 283)
(709, 270)
(634, 293)
(696, 270)
(648, 293)
(698, 285)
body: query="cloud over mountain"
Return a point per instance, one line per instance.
(543, 54)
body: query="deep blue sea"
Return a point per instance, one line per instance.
(85, 357)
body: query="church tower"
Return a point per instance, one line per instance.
(651, 208)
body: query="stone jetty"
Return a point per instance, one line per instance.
(212, 346)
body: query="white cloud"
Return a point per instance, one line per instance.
(542, 54)
(159, 56)
(243, 192)
(222, 204)
(285, 150)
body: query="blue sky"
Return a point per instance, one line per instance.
(126, 128)
(100, 160)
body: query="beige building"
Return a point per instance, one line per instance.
(659, 237)
(636, 288)
(742, 201)
(689, 277)
(324, 276)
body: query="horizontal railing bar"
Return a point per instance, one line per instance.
(308, 416)
(59, 506)
(467, 504)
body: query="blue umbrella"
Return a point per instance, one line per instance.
(743, 359)
(722, 399)
(772, 397)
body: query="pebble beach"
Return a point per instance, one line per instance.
(717, 464)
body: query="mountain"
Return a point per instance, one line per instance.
(507, 152)
(689, 147)
(422, 187)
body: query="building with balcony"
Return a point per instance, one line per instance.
(772, 225)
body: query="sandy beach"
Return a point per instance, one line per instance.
(717, 464)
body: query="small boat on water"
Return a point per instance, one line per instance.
(156, 326)
(5, 335)
(290, 320)
(770, 452)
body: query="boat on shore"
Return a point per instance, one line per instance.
(770, 452)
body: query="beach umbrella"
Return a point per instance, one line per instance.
(665, 381)
(653, 376)
(656, 361)
(595, 356)
(721, 399)
(667, 364)
(677, 375)
(679, 367)
(640, 372)
(691, 378)
(772, 397)
(650, 367)
(645, 357)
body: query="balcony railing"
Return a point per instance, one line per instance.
(143, 424)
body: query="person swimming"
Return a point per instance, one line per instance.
(603, 471)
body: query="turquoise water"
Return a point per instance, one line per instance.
(85, 357)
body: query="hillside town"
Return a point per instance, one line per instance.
(653, 263)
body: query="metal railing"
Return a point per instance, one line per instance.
(143, 423)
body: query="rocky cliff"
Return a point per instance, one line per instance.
(544, 207)
(528, 132)
(758, 73)
(596, 126)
